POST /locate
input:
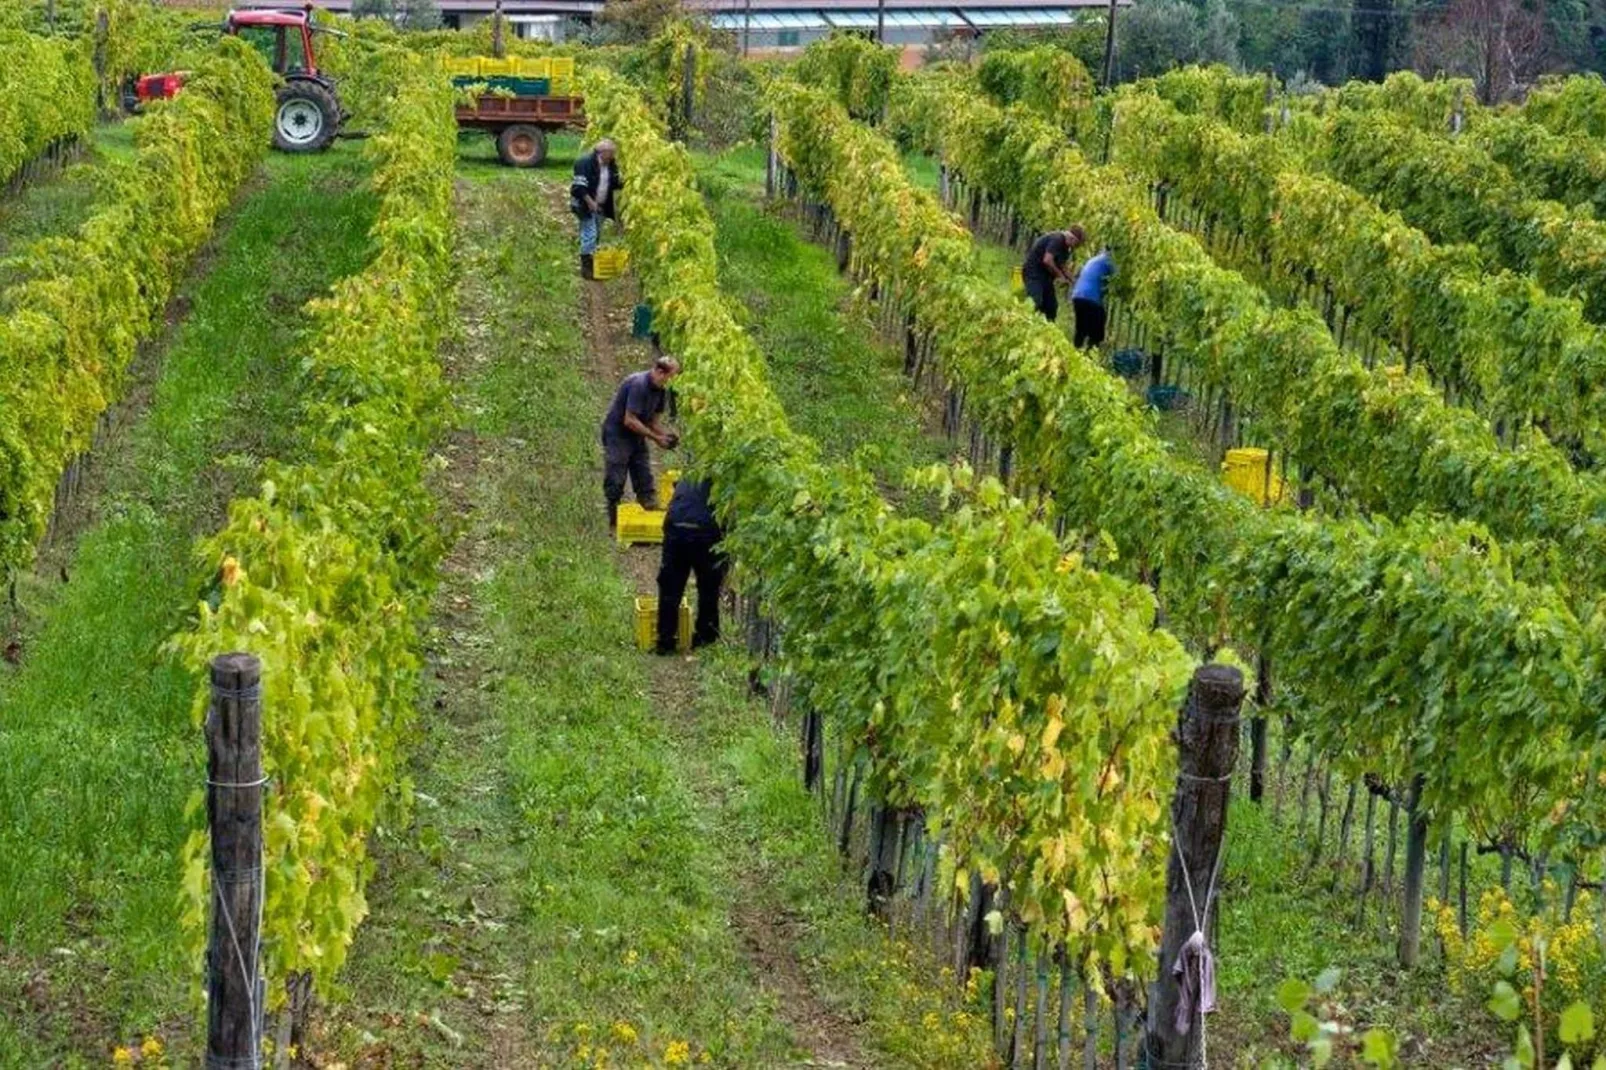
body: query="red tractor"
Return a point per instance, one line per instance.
(308, 114)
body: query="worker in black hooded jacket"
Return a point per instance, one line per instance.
(591, 198)
(691, 545)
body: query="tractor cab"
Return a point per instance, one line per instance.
(308, 114)
(283, 38)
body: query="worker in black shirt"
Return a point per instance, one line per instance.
(691, 545)
(1045, 266)
(634, 418)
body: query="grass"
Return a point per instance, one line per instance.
(58, 203)
(96, 727)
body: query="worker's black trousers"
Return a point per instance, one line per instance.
(1041, 291)
(688, 551)
(626, 456)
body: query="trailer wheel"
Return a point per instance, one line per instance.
(522, 145)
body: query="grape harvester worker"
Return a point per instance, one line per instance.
(634, 419)
(1045, 265)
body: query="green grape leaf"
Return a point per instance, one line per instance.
(1504, 1002)
(1577, 1024)
(1293, 994)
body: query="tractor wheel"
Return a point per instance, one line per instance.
(522, 146)
(307, 117)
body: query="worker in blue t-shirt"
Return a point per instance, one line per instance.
(1087, 299)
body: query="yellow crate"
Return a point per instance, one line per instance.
(610, 263)
(507, 67)
(463, 66)
(666, 485)
(1245, 470)
(562, 85)
(1017, 285)
(647, 623)
(535, 68)
(563, 66)
(640, 526)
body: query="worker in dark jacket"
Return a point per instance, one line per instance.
(591, 198)
(691, 545)
(1045, 267)
(634, 419)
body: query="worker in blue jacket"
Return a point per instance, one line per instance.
(691, 546)
(591, 198)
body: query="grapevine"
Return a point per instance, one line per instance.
(989, 678)
(326, 573)
(47, 96)
(62, 357)
(1349, 611)
(1389, 443)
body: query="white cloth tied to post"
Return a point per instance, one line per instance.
(1195, 971)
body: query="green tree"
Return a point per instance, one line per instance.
(1157, 35)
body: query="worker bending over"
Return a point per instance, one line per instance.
(691, 546)
(1087, 299)
(1045, 268)
(591, 199)
(634, 419)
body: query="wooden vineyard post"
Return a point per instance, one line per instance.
(1416, 856)
(688, 89)
(98, 59)
(769, 162)
(882, 884)
(234, 815)
(498, 38)
(1207, 733)
(1257, 723)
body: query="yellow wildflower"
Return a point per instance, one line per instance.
(677, 1054)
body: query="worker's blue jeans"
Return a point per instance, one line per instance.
(590, 232)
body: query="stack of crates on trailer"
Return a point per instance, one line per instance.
(522, 76)
(563, 76)
(647, 624)
(1253, 473)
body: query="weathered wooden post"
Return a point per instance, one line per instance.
(1207, 735)
(769, 162)
(688, 89)
(882, 883)
(498, 33)
(234, 783)
(1257, 723)
(102, 33)
(1416, 856)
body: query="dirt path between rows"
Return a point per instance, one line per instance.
(447, 893)
(765, 936)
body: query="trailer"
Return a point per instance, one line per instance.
(517, 100)
(519, 124)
